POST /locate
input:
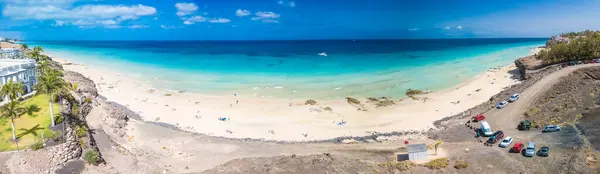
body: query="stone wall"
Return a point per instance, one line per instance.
(62, 153)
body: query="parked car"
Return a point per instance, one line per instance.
(502, 104)
(506, 141)
(587, 61)
(478, 117)
(571, 63)
(517, 148)
(486, 129)
(565, 65)
(498, 135)
(513, 97)
(579, 62)
(530, 150)
(597, 60)
(525, 125)
(551, 128)
(544, 151)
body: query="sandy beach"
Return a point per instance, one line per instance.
(290, 120)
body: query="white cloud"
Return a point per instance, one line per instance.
(459, 27)
(267, 17)
(58, 23)
(85, 16)
(219, 20)
(194, 19)
(286, 3)
(184, 9)
(241, 12)
(81, 12)
(446, 28)
(138, 26)
(167, 27)
(413, 29)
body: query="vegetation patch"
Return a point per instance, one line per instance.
(81, 131)
(532, 111)
(439, 163)
(92, 157)
(168, 95)
(327, 109)
(401, 166)
(352, 101)
(29, 129)
(461, 165)
(37, 145)
(310, 102)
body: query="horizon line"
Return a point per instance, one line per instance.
(312, 39)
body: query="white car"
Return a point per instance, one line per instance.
(506, 142)
(513, 97)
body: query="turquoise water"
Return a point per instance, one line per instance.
(292, 69)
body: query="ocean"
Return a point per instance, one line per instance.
(294, 69)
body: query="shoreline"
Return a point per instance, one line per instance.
(254, 129)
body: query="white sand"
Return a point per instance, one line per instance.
(274, 119)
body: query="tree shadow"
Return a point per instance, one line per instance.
(32, 109)
(32, 131)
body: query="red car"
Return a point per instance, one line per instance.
(587, 61)
(478, 117)
(517, 148)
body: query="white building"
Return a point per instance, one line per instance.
(18, 70)
(417, 152)
(10, 53)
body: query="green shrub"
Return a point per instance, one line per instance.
(168, 95)
(82, 143)
(87, 100)
(328, 109)
(439, 163)
(58, 118)
(310, 102)
(81, 131)
(75, 109)
(401, 166)
(461, 165)
(92, 157)
(37, 145)
(75, 85)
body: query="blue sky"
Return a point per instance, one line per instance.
(292, 19)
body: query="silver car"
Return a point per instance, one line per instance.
(530, 150)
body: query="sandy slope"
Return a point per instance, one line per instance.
(275, 119)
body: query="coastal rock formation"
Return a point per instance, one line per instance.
(117, 117)
(69, 150)
(85, 86)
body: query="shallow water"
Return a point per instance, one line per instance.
(293, 69)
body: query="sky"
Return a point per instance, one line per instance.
(292, 19)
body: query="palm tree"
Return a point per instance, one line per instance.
(12, 90)
(24, 49)
(12, 110)
(44, 67)
(38, 49)
(50, 84)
